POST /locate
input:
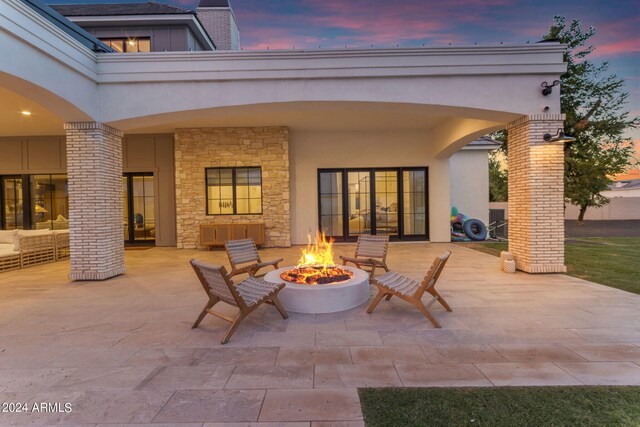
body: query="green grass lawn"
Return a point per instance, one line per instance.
(501, 406)
(611, 261)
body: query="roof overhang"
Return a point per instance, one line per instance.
(179, 18)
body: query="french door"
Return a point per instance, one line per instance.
(138, 202)
(382, 201)
(12, 209)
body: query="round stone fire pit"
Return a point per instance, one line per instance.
(329, 298)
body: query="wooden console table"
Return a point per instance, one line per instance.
(216, 234)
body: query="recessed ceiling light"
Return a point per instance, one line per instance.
(25, 113)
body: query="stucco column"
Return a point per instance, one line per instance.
(536, 194)
(94, 169)
(439, 201)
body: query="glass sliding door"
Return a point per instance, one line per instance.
(359, 202)
(49, 202)
(12, 206)
(414, 191)
(331, 212)
(380, 201)
(139, 207)
(386, 196)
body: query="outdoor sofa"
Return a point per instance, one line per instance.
(24, 248)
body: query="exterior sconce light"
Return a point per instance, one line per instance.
(547, 88)
(559, 136)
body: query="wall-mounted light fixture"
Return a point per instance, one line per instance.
(548, 88)
(25, 113)
(558, 137)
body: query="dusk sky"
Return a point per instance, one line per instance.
(284, 24)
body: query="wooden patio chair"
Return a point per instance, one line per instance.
(244, 257)
(247, 295)
(371, 253)
(393, 284)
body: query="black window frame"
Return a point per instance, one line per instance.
(345, 211)
(234, 189)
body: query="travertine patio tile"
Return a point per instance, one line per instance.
(610, 335)
(277, 339)
(186, 378)
(472, 353)
(489, 321)
(526, 374)
(312, 326)
(604, 373)
(148, 339)
(356, 376)
(303, 356)
(34, 397)
(536, 353)
(268, 377)
(348, 338)
(437, 375)
(147, 315)
(99, 379)
(256, 424)
(116, 406)
(15, 356)
(209, 336)
(31, 380)
(328, 404)
(89, 357)
(154, 425)
(214, 406)
(381, 355)
(603, 352)
(240, 356)
(426, 337)
(172, 356)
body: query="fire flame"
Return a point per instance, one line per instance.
(316, 266)
(318, 254)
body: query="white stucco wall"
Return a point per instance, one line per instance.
(312, 150)
(469, 176)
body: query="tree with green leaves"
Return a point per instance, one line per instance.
(498, 174)
(594, 103)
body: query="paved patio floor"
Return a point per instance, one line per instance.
(122, 351)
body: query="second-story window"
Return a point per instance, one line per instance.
(128, 44)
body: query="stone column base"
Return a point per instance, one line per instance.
(541, 268)
(92, 275)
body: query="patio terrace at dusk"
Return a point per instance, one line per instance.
(123, 350)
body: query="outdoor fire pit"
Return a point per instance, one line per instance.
(317, 285)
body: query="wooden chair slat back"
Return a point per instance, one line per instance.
(372, 246)
(215, 281)
(434, 271)
(241, 251)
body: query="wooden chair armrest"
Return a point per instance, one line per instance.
(246, 269)
(275, 263)
(257, 267)
(356, 261)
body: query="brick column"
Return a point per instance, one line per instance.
(94, 168)
(536, 194)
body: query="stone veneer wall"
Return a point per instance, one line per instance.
(94, 169)
(200, 148)
(536, 194)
